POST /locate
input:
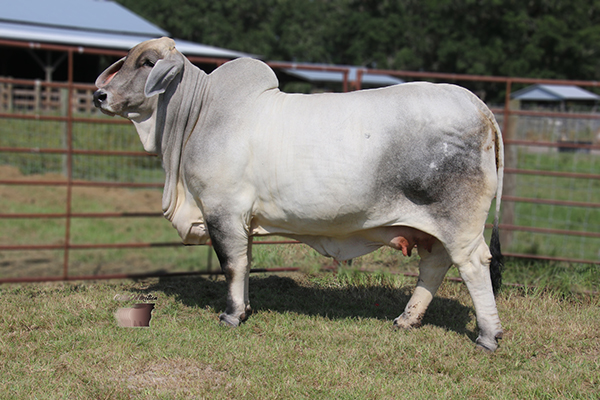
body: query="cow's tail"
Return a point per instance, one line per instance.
(497, 262)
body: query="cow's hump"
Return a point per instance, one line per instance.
(244, 76)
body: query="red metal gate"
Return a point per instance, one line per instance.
(68, 105)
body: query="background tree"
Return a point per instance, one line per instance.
(534, 38)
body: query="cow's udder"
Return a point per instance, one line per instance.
(406, 238)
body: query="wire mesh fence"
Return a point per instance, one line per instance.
(554, 187)
(80, 198)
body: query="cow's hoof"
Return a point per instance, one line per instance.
(488, 345)
(405, 322)
(228, 320)
(484, 348)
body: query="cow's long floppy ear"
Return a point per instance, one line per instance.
(163, 73)
(109, 73)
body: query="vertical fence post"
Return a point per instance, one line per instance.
(69, 168)
(345, 83)
(64, 107)
(509, 125)
(358, 82)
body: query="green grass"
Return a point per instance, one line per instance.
(557, 277)
(311, 336)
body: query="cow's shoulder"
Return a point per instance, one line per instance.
(245, 74)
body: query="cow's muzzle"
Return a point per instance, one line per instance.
(100, 101)
(100, 97)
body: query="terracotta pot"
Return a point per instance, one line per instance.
(137, 316)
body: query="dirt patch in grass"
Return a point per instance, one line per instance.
(176, 376)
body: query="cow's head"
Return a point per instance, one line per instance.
(129, 87)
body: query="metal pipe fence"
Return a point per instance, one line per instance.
(62, 157)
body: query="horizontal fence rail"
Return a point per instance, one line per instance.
(552, 174)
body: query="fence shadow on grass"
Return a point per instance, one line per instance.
(284, 294)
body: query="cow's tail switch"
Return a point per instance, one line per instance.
(496, 264)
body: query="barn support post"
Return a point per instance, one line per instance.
(9, 98)
(37, 96)
(4, 97)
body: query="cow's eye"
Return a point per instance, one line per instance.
(148, 63)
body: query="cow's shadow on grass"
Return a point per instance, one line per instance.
(284, 294)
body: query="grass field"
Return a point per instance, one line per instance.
(312, 336)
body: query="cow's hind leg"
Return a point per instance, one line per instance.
(234, 253)
(432, 269)
(475, 272)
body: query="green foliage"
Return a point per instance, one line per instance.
(544, 39)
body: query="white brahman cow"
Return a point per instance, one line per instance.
(412, 165)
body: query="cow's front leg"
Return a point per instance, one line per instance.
(232, 246)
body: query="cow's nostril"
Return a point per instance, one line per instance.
(99, 97)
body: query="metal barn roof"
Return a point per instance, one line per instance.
(316, 76)
(93, 23)
(554, 93)
(108, 25)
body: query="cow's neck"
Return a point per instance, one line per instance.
(177, 114)
(145, 125)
